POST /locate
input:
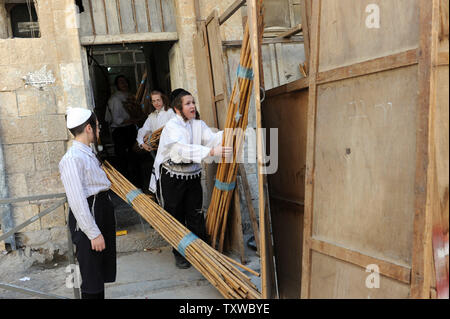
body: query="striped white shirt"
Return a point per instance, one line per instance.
(82, 177)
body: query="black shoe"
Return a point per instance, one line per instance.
(182, 263)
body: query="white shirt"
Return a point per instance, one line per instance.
(186, 142)
(155, 121)
(82, 177)
(116, 113)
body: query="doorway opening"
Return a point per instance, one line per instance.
(133, 61)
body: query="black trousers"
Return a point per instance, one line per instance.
(124, 139)
(96, 268)
(183, 199)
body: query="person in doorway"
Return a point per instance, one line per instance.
(124, 129)
(158, 117)
(185, 142)
(91, 216)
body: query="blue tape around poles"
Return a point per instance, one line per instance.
(244, 73)
(185, 242)
(224, 186)
(131, 196)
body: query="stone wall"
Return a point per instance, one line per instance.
(39, 79)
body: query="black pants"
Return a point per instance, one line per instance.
(124, 139)
(145, 164)
(96, 268)
(183, 199)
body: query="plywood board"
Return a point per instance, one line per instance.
(98, 14)
(205, 88)
(365, 163)
(336, 279)
(287, 112)
(85, 20)
(155, 15)
(112, 17)
(142, 15)
(169, 16)
(345, 38)
(126, 13)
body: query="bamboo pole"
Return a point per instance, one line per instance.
(218, 269)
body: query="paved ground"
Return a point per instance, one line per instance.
(140, 275)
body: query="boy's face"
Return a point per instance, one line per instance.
(91, 133)
(157, 101)
(122, 84)
(188, 107)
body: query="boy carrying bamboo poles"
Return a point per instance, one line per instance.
(185, 142)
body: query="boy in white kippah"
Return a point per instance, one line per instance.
(91, 216)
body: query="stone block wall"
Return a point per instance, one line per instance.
(39, 79)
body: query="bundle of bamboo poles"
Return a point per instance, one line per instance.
(217, 268)
(237, 118)
(153, 140)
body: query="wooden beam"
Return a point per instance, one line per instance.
(390, 62)
(442, 58)
(253, 26)
(129, 38)
(388, 269)
(300, 84)
(306, 31)
(235, 6)
(251, 209)
(310, 147)
(423, 205)
(238, 43)
(289, 33)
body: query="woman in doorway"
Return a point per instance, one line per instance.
(158, 117)
(185, 142)
(123, 127)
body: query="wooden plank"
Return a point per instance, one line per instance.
(91, 14)
(206, 90)
(238, 43)
(267, 273)
(422, 254)
(119, 16)
(235, 6)
(155, 15)
(251, 210)
(129, 38)
(106, 17)
(169, 16)
(398, 31)
(360, 132)
(337, 279)
(310, 146)
(127, 17)
(289, 33)
(112, 17)
(141, 15)
(217, 68)
(386, 268)
(389, 62)
(85, 20)
(443, 58)
(98, 16)
(236, 236)
(288, 113)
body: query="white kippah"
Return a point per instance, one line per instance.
(77, 116)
